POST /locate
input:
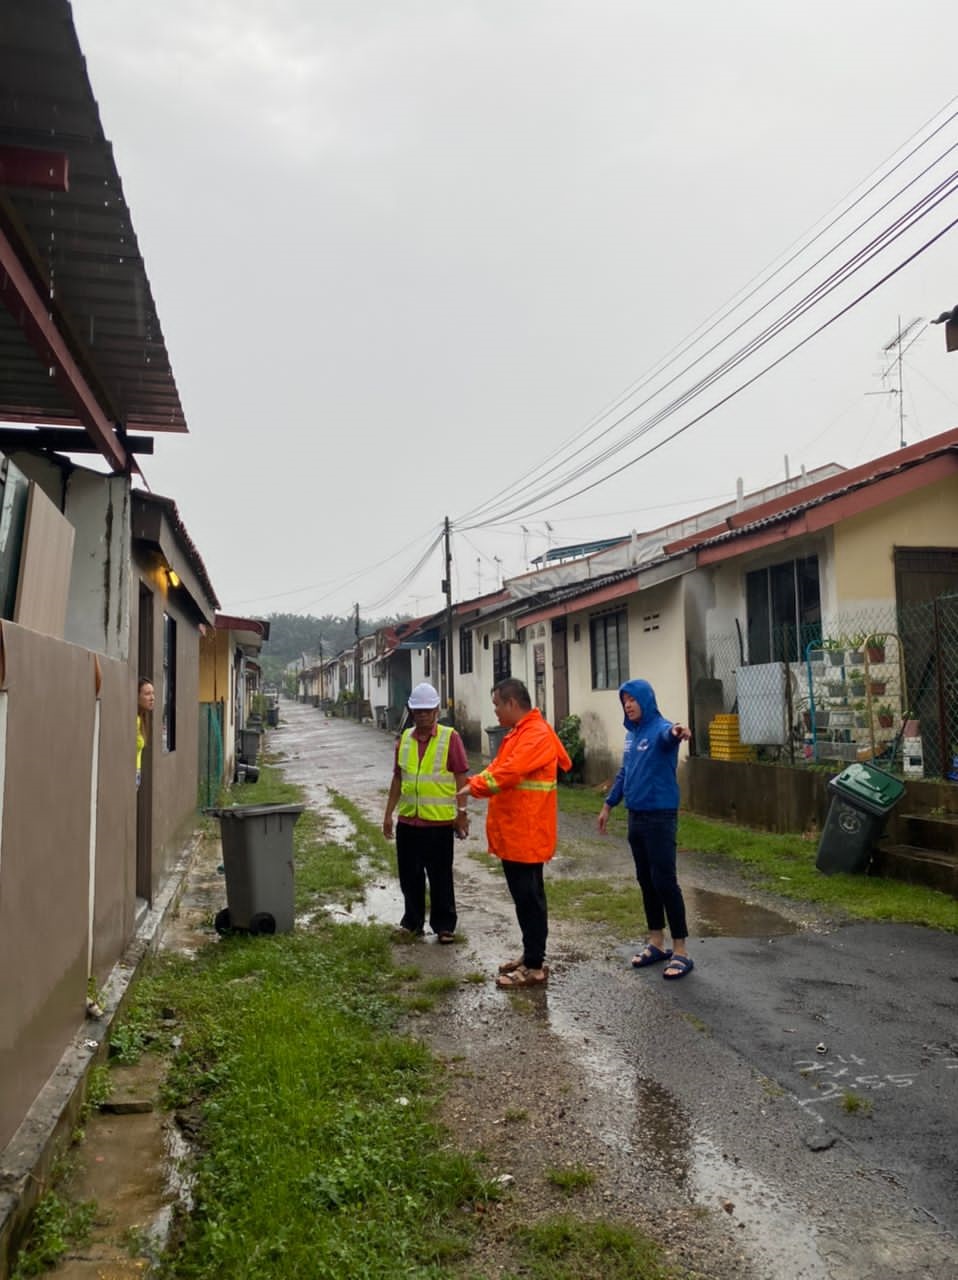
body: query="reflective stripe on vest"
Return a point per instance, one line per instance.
(428, 788)
(529, 785)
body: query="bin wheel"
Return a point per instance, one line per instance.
(222, 922)
(262, 922)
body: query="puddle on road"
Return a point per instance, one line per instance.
(722, 915)
(649, 1125)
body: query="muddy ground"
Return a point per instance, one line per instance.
(706, 1109)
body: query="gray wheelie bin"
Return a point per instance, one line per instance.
(258, 861)
(862, 798)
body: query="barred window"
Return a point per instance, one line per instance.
(465, 651)
(609, 635)
(501, 661)
(783, 604)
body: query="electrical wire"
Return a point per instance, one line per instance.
(761, 373)
(763, 278)
(409, 577)
(335, 584)
(905, 222)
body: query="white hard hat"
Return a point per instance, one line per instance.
(423, 698)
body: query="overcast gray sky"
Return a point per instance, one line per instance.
(403, 251)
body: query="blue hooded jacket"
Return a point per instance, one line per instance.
(647, 777)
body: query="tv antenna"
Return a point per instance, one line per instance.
(893, 350)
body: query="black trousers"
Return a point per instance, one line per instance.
(529, 894)
(652, 841)
(426, 853)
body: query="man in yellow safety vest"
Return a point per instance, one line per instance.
(431, 766)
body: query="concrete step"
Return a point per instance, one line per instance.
(929, 867)
(938, 832)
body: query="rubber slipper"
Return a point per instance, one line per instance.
(650, 955)
(510, 966)
(446, 938)
(522, 977)
(685, 965)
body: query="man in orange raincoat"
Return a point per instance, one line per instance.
(521, 821)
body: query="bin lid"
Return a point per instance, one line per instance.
(876, 790)
(255, 810)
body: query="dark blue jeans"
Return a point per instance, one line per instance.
(652, 841)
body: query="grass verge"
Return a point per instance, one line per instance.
(784, 864)
(319, 1151)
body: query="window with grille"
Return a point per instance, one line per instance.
(609, 636)
(784, 615)
(465, 651)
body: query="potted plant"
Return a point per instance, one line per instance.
(875, 647)
(834, 651)
(885, 714)
(856, 645)
(876, 688)
(836, 688)
(856, 683)
(861, 713)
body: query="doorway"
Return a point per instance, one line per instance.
(560, 670)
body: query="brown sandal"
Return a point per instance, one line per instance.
(511, 966)
(522, 977)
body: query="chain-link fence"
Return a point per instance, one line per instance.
(877, 685)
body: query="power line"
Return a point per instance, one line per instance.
(839, 276)
(728, 309)
(761, 373)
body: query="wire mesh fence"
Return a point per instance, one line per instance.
(879, 684)
(211, 761)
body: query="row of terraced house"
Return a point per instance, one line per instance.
(753, 614)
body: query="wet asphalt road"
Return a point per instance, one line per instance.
(715, 1085)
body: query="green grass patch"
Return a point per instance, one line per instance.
(441, 985)
(786, 865)
(56, 1227)
(369, 840)
(854, 1102)
(319, 1153)
(598, 901)
(587, 801)
(572, 1177)
(566, 1249)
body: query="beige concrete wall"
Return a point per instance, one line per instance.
(656, 620)
(865, 544)
(44, 860)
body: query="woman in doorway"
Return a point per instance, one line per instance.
(144, 706)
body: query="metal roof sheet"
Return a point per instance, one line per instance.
(79, 245)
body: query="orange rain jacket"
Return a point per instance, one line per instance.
(521, 785)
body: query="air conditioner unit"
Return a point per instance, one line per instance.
(507, 631)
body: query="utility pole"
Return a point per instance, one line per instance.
(359, 672)
(447, 588)
(322, 677)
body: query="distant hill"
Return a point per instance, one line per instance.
(292, 635)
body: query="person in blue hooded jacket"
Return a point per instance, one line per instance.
(649, 786)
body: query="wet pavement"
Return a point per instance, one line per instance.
(836, 1162)
(715, 1110)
